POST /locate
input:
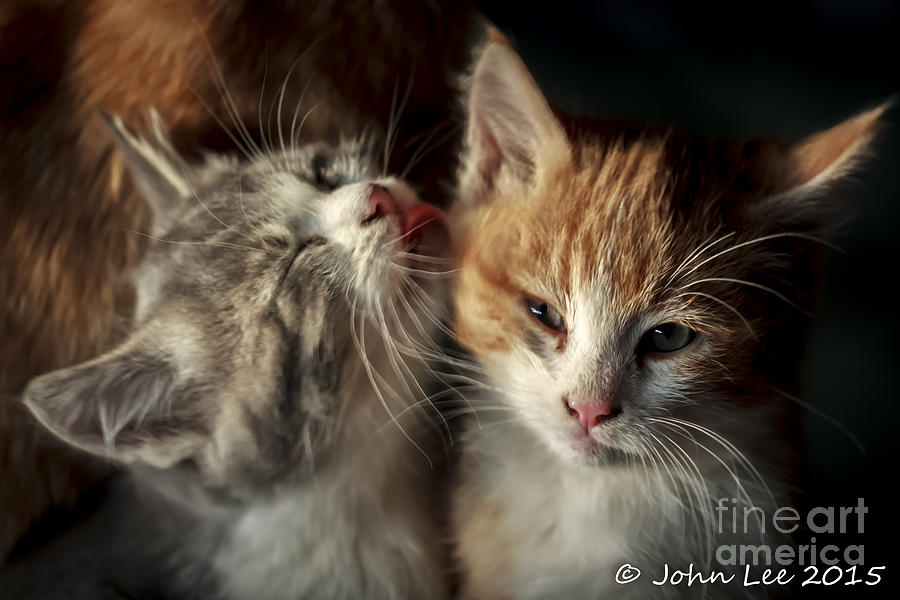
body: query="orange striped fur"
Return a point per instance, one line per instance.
(620, 228)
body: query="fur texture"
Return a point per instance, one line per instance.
(617, 236)
(265, 399)
(66, 206)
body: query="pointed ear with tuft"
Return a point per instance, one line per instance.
(512, 135)
(133, 404)
(159, 173)
(807, 169)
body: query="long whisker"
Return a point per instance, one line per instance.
(761, 239)
(228, 100)
(241, 146)
(778, 295)
(284, 88)
(394, 121)
(396, 360)
(828, 419)
(296, 140)
(187, 178)
(295, 137)
(259, 106)
(426, 274)
(437, 354)
(358, 338)
(437, 260)
(390, 131)
(393, 241)
(732, 449)
(403, 331)
(181, 243)
(699, 251)
(424, 150)
(699, 491)
(729, 307)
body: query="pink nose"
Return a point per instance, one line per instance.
(381, 204)
(591, 415)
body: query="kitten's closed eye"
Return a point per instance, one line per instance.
(666, 338)
(546, 315)
(321, 178)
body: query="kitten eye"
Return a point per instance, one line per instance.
(546, 314)
(668, 337)
(320, 173)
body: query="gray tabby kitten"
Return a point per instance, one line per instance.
(282, 317)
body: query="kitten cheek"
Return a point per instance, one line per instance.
(483, 323)
(482, 337)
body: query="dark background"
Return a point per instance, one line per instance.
(785, 69)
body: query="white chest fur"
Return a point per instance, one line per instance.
(358, 531)
(569, 528)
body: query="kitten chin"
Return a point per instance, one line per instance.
(589, 454)
(626, 293)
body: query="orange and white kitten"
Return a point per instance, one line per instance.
(635, 298)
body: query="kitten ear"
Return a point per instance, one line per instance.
(133, 404)
(158, 171)
(810, 166)
(511, 130)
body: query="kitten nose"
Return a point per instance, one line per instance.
(592, 414)
(381, 204)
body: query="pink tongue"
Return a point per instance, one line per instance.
(418, 216)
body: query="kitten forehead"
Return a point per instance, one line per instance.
(597, 226)
(619, 207)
